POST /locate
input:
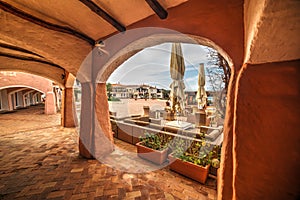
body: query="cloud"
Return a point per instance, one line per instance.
(152, 65)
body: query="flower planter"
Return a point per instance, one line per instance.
(155, 156)
(196, 172)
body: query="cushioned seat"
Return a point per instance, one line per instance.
(213, 133)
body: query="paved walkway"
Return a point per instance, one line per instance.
(39, 160)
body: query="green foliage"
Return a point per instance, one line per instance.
(108, 87)
(113, 99)
(155, 141)
(215, 156)
(197, 152)
(108, 91)
(166, 94)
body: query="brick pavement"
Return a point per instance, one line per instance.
(40, 161)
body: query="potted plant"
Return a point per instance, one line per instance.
(153, 147)
(215, 157)
(190, 158)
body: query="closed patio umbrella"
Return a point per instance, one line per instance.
(177, 86)
(201, 94)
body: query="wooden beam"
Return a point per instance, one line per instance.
(17, 12)
(157, 8)
(28, 58)
(8, 46)
(104, 15)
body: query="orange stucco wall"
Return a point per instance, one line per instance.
(103, 136)
(68, 108)
(218, 21)
(266, 132)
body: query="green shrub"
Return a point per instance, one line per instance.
(155, 141)
(197, 152)
(113, 99)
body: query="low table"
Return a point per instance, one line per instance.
(179, 124)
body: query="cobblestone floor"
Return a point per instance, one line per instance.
(39, 160)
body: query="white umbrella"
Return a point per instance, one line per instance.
(201, 94)
(177, 86)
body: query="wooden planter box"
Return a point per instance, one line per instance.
(196, 172)
(155, 156)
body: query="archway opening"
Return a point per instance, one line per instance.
(22, 90)
(97, 68)
(139, 89)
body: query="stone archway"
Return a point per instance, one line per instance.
(34, 82)
(101, 66)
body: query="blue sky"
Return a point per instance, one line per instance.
(152, 66)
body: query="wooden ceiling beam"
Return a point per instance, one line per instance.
(104, 15)
(157, 8)
(28, 58)
(11, 47)
(17, 12)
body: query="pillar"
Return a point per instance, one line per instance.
(68, 108)
(11, 101)
(4, 96)
(20, 99)
(50, 105)
(95, 132)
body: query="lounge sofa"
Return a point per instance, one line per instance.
(131, 128)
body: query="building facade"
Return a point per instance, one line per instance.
(136, 91)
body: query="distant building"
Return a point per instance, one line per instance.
(119, 91)
(135, 91)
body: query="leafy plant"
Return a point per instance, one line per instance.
(114, 99)
(197, 152)
(215, 156)
(157, 141)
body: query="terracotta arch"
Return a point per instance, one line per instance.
(26, 80)
(34, 82)
(127, 48)
(137, 43)
(21, 88)
(39, 69)
(102, 65)
(13, 90)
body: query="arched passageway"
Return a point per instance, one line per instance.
(256, 36)
(20, 90)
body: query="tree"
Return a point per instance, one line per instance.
(166, 94)
(108, 90)
(218, 73)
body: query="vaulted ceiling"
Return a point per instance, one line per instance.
(59, 34)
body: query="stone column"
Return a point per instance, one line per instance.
(86, 132)
(4, 97)
(20, 99)
(68, 112)
(103, 131)
(50, 105)
(95, 131)
(11, 101)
